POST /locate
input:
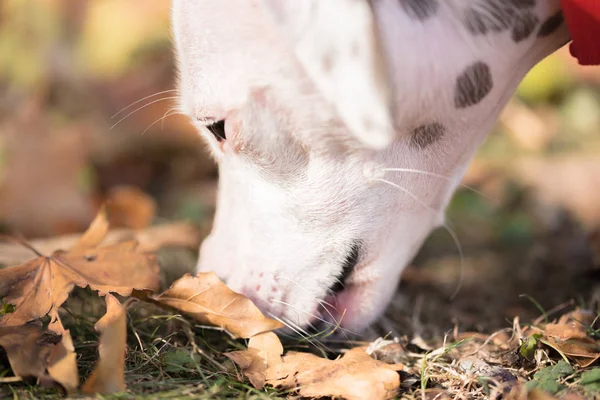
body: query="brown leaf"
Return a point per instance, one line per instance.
(565, 331)
(264, 351)
(207, 299)
(129, 207)
(42, 354)
(354, 376)
(28, 348)
(177, 234)
(95, 233)
(570, 336)
(43, 284)
(109, 375)
(62, 361)
(584, 351)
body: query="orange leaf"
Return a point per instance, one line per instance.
(95, 233)
(62, 361)
(42, 354)
(43, 284)
(354, 376)
(28, 348)
(130, 207)
(570, 336)
(264, 351)
(109, 375)
(40, 286)
(205, 298)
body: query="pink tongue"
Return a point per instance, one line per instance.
(583, 20)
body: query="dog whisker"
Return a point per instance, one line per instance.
(331, 324)
(461, 254)
(176, 111)
(308, 292)
(321, 302)
(446, 225)
(409, 193)
(142, 107)
(142, 99)
(446, 178)
(297, 330)
(172, 111)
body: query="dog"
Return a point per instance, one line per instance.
(341, 129)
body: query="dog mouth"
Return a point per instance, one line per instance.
(348, 268)
(330, 317)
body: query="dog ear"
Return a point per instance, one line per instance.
(337, 43)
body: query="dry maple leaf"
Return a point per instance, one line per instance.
(208, 300)
(109, 375)
(354, 376)
(28, 348)
(40, 286)
(129, 207)
(264, 351)
(570, 336)
(62, 360)
(42, 354)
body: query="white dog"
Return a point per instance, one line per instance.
(341, 129)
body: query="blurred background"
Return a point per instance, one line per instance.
(73, 128)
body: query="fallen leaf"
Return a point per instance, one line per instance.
(27, 348)
(62, 360)
(264, 351)
(208, 300)
(129, 207)
(46, 355)
(109, 375)
(41, 285)
(354, 376)
(94, 234)
(565, 331)
(584, 351)
(178, 234)
(569, 335)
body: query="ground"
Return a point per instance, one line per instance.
(528, 237)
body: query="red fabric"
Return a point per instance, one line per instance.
(583, 20)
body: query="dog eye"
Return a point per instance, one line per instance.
(218, 130)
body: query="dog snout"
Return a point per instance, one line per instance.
(264, 290)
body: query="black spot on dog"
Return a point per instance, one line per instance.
(473, 85)
(482, 22)
(494, 16)
(551, 24)
(420, 9)
(524, 26)
(425, 135)
(522, 4)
